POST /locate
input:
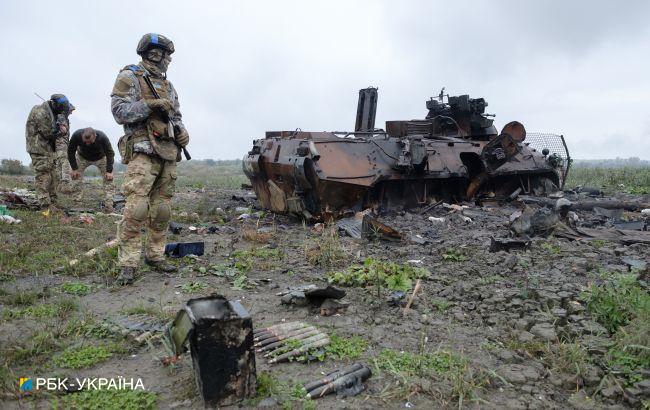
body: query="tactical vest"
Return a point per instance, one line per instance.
(155, 126)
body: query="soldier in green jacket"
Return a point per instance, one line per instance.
(46, 124)
(153, 133)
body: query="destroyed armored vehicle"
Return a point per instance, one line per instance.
(455, 153)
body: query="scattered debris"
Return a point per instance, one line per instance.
(634, 264)
(630, 225)
(175, 228)
(220, 334)
(181, 249)
(371, 228)
(138, 328)
(437, 220)
(95, 251)
(415, 291)
(86, 219)
(290, 341)
(507, 244)
(345, 382)
(352, 226)
(325, 297)
(397, 298)
(533, 222)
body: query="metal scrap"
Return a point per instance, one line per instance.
(345, 382)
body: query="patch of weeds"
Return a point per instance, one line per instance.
(552, 248)
(440, 304)
(288, 394)
(23, 298)
(86, 326)
(453, 255)
(107, 400)
(141, 309)
(630, 354)
(327, 251)
(488, 280)
(569, 358)
(76, 288)
(33, 349)
(418, 364)
(617, 301)
(262, 258)
(81, 357)
(385, 274)
(457, 380)
(45, 310)
(345, 348)
(242, 282)
(598, 243)
(193, 287)
(533, 349)
(6, 277)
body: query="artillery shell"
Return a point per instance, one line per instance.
(299, 337)
(289, 335)
(303, 349)
(361, 374)
(278, 326)
(271, 335)
(303, 342)
(332, 376)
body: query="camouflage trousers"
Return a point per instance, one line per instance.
(46, 179)
(148, 186)
(77, 185)
(63, 168)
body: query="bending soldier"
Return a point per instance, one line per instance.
(46, 125)
(150, 147)
(89, 147)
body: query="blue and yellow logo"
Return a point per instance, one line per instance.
(25, 384)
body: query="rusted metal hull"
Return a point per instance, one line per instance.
(321, 175)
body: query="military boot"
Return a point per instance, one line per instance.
(161, 266)
(126, 276)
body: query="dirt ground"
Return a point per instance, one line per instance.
(518, 329)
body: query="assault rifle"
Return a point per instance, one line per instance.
(171, 127)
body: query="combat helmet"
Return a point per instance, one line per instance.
(61, 104)
(153, 40)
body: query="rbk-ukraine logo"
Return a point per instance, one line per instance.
(26, 384)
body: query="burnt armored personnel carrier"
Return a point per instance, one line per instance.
(455, 153)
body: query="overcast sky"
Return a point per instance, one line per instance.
(579, 68)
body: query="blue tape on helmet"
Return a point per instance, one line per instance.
(154, 38)
(62, 99)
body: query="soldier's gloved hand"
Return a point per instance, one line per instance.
(75, 174)
(161, 104)
(63, 129)
(183, 138)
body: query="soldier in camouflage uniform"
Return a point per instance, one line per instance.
(46, 125)
(153, 134)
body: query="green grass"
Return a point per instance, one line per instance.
(76, 288)
(419, 364)
(290, 395)
(81, 357)
(194, 287)
(107, 400)
(35, 246)
(453, 255)
(617, 301)
(262, 258)
(635, 180)
(326, 250)
(46, 310)
(622, 305)
(388, 275)
(345, 348)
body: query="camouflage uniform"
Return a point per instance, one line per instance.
(62, 164)
(41, 135)
(151, 173)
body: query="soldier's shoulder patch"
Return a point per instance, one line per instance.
(136, 69)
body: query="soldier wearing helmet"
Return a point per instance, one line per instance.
(47, 130)
(151, 150)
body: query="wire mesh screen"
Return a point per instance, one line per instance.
(556, 146)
